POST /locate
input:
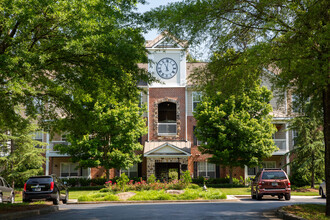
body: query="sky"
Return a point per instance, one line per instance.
(146, 7)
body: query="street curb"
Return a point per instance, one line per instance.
(287, 216)
(29, 213)
(151, 201)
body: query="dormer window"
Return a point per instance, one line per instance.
(166, 118)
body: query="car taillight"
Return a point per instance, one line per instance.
(260, 183)
(52, 186)
(289, 184)
(24, 187)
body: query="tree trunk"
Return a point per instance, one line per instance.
(230, 175)
(107, 174)
(326, 112)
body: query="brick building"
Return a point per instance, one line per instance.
(170, 144)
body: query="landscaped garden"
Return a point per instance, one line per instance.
(125, 189)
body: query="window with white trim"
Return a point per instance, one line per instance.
(131, 172)
(73, 170)
(37, 135)
(294, 137)
(205, 169)
(196, 98)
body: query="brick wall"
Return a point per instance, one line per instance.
(175, 95)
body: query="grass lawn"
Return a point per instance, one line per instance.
(189, 194)
(76, 194)
(308, 211)
(247, 191)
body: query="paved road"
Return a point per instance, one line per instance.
(244, 208)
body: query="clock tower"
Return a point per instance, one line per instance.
(167, 61)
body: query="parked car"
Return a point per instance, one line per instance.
(6, 192)
(274, 182)
(323, 190)
(45, 188)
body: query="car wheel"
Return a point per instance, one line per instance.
(56, 201)
(258, 196)
(252, 195)
(1, 200)
(12, 199)
(322, 193)
(65, 200)
(288, 196)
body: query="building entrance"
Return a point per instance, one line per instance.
(167, 171)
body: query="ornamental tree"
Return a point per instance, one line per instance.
(236, 130)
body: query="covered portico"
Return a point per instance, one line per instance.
(163, 156)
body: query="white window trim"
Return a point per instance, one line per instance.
(206, 168)
(192, 97)
(129, 170)
(293, 137)
(78, 171)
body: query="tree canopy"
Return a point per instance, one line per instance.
(289, 38)
(49, 47)
(236, 130)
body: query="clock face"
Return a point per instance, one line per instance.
(167, 68)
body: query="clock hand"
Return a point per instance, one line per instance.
(166, 65)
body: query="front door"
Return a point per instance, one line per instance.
(167, 171)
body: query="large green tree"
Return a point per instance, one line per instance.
(55, 57)
(20, 158)
(308, 152)
(291, 38)
(103, 130)
(236, 130)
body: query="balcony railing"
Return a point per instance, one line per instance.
(166, 128)
(53, 143)
(281, 144)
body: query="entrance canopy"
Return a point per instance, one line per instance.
(167, 149)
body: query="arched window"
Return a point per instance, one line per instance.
(167, 112)
(167, 118)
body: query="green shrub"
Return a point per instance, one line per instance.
(83, 188)
(122, 181)
(173, 174)
(186, 177)
(151, 179)
(98, 181)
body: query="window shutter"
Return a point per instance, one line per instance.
(217, 171)
(195, 170)
(139, 169)
(194, 136)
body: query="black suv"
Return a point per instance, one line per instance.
(45, 188)
(273, 181)
(6, 192)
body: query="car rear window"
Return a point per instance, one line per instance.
(274, 175)
(40, 180)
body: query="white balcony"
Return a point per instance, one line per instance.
(281, 144)
(165, 129)
(53, 153)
